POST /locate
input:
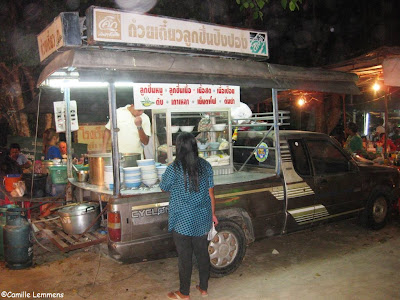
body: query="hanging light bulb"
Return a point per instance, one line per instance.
(301, 101)
(376, 87)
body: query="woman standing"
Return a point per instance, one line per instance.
(190, 181)
(50, 140)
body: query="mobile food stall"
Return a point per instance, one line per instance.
(191, 75)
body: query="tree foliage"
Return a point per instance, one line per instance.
(256, 6)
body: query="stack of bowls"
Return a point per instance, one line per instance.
(108, 177)
(132, 177)
(148, 171)
(160, 171)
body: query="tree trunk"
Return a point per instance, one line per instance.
(333, 112)
(12, 101)
(48, 121)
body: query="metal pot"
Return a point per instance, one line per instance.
(83, 175)
(98, 161)
(76, 219)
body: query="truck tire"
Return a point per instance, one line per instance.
(377, 210)
(227, 249)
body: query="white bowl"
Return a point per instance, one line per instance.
(214, 145)
(133, 181)
(132, 170)
(133, 177)
(150, 182)
(202, 146)
(174, 129)
(145, 162)
(131, 185)
(186, 128)
(219, 127)
(150, 176)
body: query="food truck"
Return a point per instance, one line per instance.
(192, 77)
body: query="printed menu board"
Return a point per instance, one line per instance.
(184, 96)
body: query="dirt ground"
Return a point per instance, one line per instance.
(336, 261)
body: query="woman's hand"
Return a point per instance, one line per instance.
(215, 220)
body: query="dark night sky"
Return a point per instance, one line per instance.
(320, 33)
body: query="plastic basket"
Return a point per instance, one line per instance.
(58, 174)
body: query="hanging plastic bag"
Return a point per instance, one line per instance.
(212, 233)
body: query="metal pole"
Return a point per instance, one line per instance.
(67, 100)
(386, 122)
(275, 109)
(112, 103)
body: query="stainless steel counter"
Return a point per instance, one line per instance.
(237, 177)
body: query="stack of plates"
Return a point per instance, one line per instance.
(148, 171)
(132, 177)
(160, 171)
(108, 177)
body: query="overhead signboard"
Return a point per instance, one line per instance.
(113, 26)
(63, 32)
(184, 96)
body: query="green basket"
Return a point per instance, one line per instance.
(79, 167)
(58, 174)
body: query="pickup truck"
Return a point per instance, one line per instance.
(317, 182)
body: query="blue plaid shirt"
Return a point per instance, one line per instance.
(189, 211)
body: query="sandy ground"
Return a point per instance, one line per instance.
(335, 261)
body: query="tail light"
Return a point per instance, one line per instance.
(114, 226)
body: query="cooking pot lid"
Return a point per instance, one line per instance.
(79, 209)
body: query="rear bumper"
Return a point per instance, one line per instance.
(141, 248)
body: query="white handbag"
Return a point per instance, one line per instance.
(212, 233)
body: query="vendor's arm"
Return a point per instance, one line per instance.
(144, 138)
(106, 138)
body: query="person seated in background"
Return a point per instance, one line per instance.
(63, 149)
(50, 140)
(354, 143)
(15, 154)
(390, 146)
(10, 165)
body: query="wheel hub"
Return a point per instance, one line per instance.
(223, 249)
(379, 210)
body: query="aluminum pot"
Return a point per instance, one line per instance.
(77, 218)
(99, 160)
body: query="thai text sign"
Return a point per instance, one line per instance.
(184, 96)
(50, 39)
(92, 135)
(125, 27)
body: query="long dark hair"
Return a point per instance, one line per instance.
(187, 157)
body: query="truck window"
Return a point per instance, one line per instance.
(299, 158)
(240, 155)
(326, 158)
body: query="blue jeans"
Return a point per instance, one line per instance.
(186, 246)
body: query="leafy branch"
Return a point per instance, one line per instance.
(256, 6)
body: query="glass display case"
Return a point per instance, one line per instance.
(212, 129)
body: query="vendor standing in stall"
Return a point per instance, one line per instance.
(134, 130)
(50, 140)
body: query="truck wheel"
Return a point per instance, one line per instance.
(377, 211)
(227, 249)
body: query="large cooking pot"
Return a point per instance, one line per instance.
(99, 160)
(77, 218)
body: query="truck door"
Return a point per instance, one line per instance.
(299, 186)
(336, 179)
